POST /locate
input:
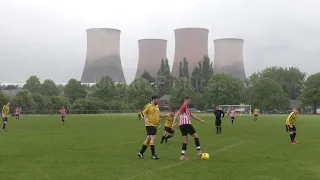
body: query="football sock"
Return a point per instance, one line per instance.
(294, 135)
(217, 129)
(220, 129)
(232, 121)
(153, 150)
(184, 149)
(163, 138)
(143, 149)
(4, 125)
(291, 137)
(197, 142)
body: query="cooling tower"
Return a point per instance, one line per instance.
(103, 56)
(151, 51)
(192, 44)
(228, 57)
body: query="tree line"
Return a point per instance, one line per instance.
(269, 89)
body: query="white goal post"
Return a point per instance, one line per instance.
(241, 109)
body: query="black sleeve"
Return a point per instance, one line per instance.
(222, 113)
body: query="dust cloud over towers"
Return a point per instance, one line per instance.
(103, 56)
(151, 51)
(228, 57)
(192, 44)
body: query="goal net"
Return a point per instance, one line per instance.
(240, 109)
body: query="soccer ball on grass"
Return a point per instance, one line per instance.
(205, 156)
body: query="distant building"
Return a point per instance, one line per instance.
(103, 56)
(192, 44)
(164, 102)
(151, 52)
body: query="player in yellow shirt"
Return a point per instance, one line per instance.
(291, 124)
(151, 116)
(168, 132)
(5, 115)
(256, 112)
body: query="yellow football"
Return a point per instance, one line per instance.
(205, 156)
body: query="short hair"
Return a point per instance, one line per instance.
(298, 109)
(154, 97)
(187, 98)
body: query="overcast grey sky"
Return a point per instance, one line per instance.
(47, 38)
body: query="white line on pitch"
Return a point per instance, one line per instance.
(181, 162)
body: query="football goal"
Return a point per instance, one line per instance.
(240, 109)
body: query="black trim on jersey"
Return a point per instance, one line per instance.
(143, 109)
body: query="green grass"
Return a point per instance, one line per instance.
(97, 147)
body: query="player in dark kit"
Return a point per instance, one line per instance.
(219, 114)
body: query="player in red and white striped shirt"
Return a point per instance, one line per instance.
(186, 127)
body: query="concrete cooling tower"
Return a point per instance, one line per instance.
(228, 57)
(151, 51)
(103, 56)
(192, 44)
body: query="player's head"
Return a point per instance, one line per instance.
(187, 101)
(297, 110)
(155, 100)
(62, 107)
(217, 107)
(8, 104)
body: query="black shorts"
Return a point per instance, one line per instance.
(232, 118)
(17, 114)
(218, 122)
(291, 129)
(255, 115)
(5, 119)
(63, 117)
(187, 129)
(168, 130)
(151, 130)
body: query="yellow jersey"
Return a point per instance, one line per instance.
(5, 111)
(152, 113)
(169, 120)
(292, 118)
(256, 111)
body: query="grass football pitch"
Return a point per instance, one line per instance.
(105, 147)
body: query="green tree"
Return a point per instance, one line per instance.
(121, 90)
(4, 99)
(223, 89)
(140, 92)
(74, 90)
(146, 75)
(185, 68)
(58, 102)
(181, 75)
(105, 89)
(201, 75)
(268, 94)
(49, 88)
(41, 102)
(163, 79)
(311, 92)
(32, 84)
(249, 83)
(24, 100)
(181, 88)
(291, 79)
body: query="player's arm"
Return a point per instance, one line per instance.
(222, 114)
(175, 119)
(144, 112)
(196, 118)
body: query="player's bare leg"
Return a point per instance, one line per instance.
(153, 149)
(144, 147)
(197, 143)
(184, 148)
